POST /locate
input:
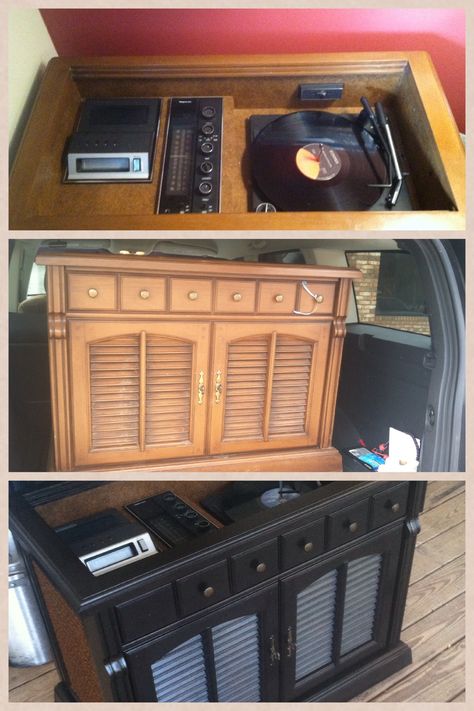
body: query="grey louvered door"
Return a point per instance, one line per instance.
(336, 614)
(226, 657)
(139, 391)
(271, 381)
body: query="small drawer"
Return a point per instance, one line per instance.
(146, 613)
(194, 295)
(323, 303)
(202, 589)
(91, 292)
(142, 293)
(389, 505)
(276, 297)
(235, 297)
(302, 544)
(348, 524)
(253, 566)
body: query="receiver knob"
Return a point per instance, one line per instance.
(206, 167)
(205, 188)
(207, 147)
(208, 112)
(208, 129)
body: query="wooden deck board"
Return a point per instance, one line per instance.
(433, 625)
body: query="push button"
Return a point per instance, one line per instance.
(137, 165)
(142, 545)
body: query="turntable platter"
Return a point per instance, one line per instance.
(317, 161)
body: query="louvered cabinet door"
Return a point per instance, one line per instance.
(138, 391)
(230, 656)
(269, 382)
(337, 614)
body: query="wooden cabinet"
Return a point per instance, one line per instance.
(423, 128)
(270, 608)
(156, 360)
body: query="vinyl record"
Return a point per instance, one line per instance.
(315, 160)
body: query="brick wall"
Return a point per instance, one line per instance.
(366, 297)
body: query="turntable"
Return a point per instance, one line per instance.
(319, 161)
(252, 142)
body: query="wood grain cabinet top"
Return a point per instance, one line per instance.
(405, 82)
(193, 364)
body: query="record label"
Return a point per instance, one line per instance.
(317, 161)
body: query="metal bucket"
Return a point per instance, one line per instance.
(28, 643)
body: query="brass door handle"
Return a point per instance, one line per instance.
(201, 388)
(290, 645)
(274, 653)
(218, 387)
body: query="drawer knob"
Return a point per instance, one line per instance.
(261, 567)
(192, 295)
(237, 296)
(279, 298)
(353, 527)
(144, 294)
(319, 299)
(395, 508)
(208, 591)
(93, 293)
(308, 547)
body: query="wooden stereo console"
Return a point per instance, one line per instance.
(301, 602)
(428, 141)
(193, 365)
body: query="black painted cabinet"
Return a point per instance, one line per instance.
(228, 655)
(302, 603)
(337, 614)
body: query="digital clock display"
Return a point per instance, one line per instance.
(105, 560)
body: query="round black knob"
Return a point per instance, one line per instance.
(395, 508)
(208, 112)
(205, 188)
(208, 129)
(168, 497)
(261, 567)
(206, 167)
(353, 527)
(208, 591)
(207, 148)
(190, 514)
(179, 506)
(308, 547)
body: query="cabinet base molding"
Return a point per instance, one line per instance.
(365, 676)
(299, 460)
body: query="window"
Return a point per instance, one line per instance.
(36, 284)
(390, 293)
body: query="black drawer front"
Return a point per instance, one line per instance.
(147, 613)
(389, 505)
(348, 524)
(302, 544)
(202, 589)
(253, 566)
